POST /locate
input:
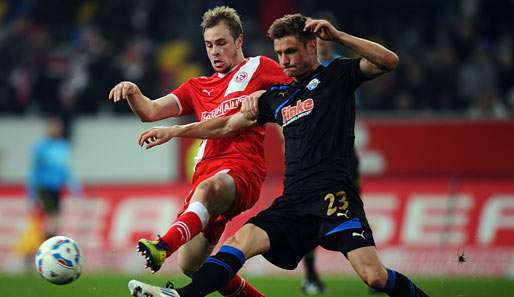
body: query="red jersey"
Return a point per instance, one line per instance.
(221, 95)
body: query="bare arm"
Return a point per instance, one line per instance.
(147, 110)
(214, 128)
(376, 58)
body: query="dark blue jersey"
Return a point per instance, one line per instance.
(318, 117)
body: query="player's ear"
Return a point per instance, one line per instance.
(239, 41)
(312, 46)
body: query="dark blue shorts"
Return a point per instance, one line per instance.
(296, 224)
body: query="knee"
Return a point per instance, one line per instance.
(251, 240)
(375, 277)
(210, 193)
(204, 194)
(235, 241)
(216, 193)
(209, 188)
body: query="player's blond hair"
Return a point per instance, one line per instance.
(214, 16)
(291, 25)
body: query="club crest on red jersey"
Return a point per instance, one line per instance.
(241, 76)
(292, 113)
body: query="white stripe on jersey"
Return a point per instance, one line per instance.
(178, 103)
(242, 77)
(200, 152)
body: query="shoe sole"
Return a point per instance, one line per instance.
(143, 250)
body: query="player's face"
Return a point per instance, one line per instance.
(224, 52)
(54, 129)
(296, 58)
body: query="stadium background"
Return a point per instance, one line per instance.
(435, 137)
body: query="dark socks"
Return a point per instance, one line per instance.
(310, 271)
(398, 285)
(214, 273)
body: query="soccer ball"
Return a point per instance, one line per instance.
(59, 260)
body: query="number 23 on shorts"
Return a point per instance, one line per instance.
(336, 203)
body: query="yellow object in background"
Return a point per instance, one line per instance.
(190, 158)
(32, 237)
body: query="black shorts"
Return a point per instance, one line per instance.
(51, 200)
(296, 224)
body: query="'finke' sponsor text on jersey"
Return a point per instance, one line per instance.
(317, 115)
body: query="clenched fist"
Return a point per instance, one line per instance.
(250, 106)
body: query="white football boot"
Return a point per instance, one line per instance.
(140, 289)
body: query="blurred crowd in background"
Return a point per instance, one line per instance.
(456, 57)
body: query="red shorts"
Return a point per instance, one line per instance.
(248, 183)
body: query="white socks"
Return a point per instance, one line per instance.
(200, 210)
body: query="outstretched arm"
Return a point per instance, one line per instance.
(147, 110)
(376, 58)
(214, 128)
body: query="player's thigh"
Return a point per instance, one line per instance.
(192, 254)
(217, 193)
(366, 262)
(251, 240)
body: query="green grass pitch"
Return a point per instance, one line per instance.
(115, 285)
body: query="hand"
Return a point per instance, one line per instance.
(123, 90)
(250, 105)
(322, 28)
(156, 136)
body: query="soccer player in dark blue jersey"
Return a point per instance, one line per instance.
(320, 205)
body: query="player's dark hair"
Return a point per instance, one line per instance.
(291, 25)
(214, 16)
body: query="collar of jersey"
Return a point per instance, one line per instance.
(307, 79)
(222, 75)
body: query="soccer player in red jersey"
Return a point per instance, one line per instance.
(228, 172)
